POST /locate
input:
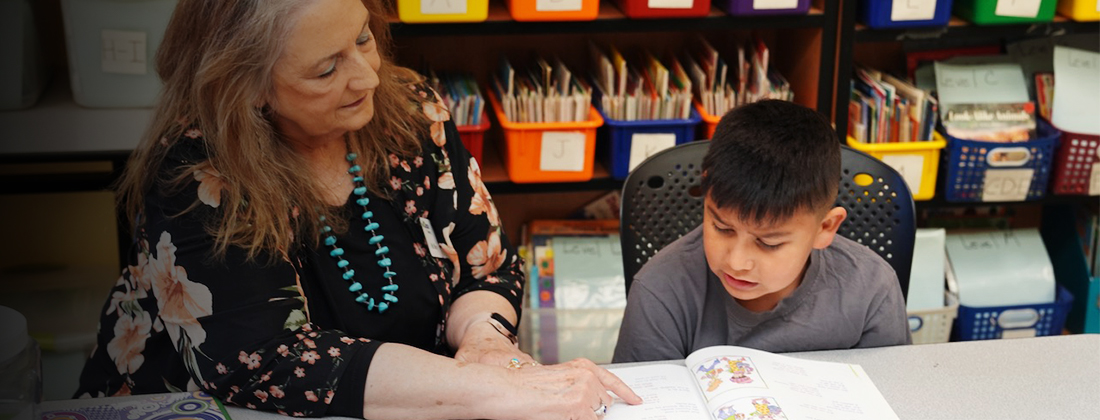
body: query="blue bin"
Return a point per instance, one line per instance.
(966, 163)
(989, 323)
(621, 134)
(877, 14)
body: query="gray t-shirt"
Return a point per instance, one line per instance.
(849, 297)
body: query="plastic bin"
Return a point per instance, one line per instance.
(570, 148)
(882, 15)
(766, 7)
(996, 12)
(917, 162)
(550, 10)
(934, 325)
(710, 122)
(473, 136)
(994, 322)
(1062, 235)
(969, 164)
(22, 73)
(653, 133)
(111, 46)
(650, 9)
(1080, 10)
(1077, 159)
(429, 11)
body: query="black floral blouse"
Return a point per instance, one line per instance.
(290, 337)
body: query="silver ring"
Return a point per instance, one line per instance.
(601, 411)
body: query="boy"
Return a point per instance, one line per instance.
(766, 269)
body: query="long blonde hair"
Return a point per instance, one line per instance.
(216, 63)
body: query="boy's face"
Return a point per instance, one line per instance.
(761, 264)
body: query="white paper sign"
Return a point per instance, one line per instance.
(442, 7)
(1018, 8)
(1094, 179)
(1006, 184)
(1076, 90)
(998, 83)
(562, 151)
(123, 52)
(909, 166)
(644, 145)
(774, 4)
(558, 5)
(670, 4)
(913, 10)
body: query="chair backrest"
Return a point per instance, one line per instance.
(662, 201)
(880, 208)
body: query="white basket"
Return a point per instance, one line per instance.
(934, 325)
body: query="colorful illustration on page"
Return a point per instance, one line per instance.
(721, 374)
(752, 408)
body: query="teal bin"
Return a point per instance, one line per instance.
(1061, 232)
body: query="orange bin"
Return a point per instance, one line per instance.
(710, 122)
(548, 152)
(545, 10)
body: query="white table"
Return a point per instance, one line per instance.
(1030, 378)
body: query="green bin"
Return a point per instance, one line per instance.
(989, 12)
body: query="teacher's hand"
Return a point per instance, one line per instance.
(576, 390)
(484, 344)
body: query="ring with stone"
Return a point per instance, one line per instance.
(601, 411)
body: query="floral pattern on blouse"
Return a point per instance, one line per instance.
(180, 319)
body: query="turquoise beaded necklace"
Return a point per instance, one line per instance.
(337, 253)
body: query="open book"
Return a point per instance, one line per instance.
(736, 383)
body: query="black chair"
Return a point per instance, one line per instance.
(662, 201)
(880, 208)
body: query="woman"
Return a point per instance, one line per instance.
(312, 239)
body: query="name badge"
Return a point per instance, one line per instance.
(429, 236)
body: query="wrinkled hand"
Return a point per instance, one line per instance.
(573, 390)
(483, 344)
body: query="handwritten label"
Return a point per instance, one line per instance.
(123, 52)
(909, 166)
(913, 10)
(1018, 8)
(670, 4)
(1006, 184)
(998, 83)
(1076, 102)
(644, 145)
(558, 5)
(562, 151)
(1094, 179)
(442, 7)
(774, 4)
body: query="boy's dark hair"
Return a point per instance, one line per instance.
(771, 158)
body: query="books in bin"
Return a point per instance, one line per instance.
(728, 382)
(183, 405)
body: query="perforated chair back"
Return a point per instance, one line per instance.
(880, 210)
(661, 202)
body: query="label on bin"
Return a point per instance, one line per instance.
(1006, 184)
(562, 151)
(1018, 8)
(774, 4)
(558, 5)
(442, 7)
(909, 166)
(123, 52)
(912, 10)
(670, 4)
(644, 145)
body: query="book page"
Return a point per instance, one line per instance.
(667, 390)
(740, 383)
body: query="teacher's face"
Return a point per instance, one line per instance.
(325, 78)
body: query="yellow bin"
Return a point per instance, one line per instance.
(1080, 10)
(917, 161)
(429, 11)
